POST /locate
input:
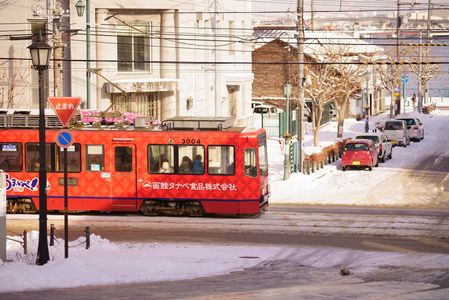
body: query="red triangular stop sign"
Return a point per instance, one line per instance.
(64, 107)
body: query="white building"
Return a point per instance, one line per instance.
(157, 58)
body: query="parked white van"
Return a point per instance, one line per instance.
(396, 132)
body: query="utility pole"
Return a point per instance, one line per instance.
(396, 99)
(66, 63)
(419, 74)
(57, 49)
(429, 4)
(88, 73)
(312, 14)
(300, 47)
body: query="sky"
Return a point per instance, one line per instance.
(334, 5)
(176, 261)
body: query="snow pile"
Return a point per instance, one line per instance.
(111, 263)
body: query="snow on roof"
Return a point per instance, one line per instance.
(315, 41)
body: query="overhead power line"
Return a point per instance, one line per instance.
(245, 62)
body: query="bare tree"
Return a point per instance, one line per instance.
(13, 82)
(425, 73)
(348, 79)
(389, 74)
(320, 90)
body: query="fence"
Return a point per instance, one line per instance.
(268, 121)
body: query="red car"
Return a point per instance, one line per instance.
(359, 153)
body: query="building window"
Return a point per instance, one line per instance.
(232, 37)
(133, 49)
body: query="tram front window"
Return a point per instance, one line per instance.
(263, 163)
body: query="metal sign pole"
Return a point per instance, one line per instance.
(64, 139)
(66, 208)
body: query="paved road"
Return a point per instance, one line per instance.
(351, 227)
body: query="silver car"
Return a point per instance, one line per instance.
(383, 146)
(414, 127)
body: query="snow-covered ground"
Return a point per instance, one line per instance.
(388, 185)
(106, 263)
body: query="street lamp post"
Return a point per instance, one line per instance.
(40, 57)
(80, 8)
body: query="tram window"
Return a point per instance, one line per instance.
(250, 162)
(54, 158)
(32, 157)
(263, 159)
(11, 157)
(191, 160)
(123, 159)
(221, 160)
(94, 158)
(161, 158)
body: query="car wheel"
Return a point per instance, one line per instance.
(343, 168)
(370, 168)
(383, 158)
(390, 156)
(422, 135)
(377, 163)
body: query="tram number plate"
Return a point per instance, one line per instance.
(190, 141)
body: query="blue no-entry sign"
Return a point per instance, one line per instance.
(64, 138)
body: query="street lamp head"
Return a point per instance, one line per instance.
(80, 7)
(40, 54)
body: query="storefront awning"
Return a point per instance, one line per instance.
(141, 86)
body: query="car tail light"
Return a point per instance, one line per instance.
(344, 152)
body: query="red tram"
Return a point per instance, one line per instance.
(180, 172)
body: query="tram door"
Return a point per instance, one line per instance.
(123, 177)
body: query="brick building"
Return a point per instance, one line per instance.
(274, 65)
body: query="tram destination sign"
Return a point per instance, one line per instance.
(64, 107)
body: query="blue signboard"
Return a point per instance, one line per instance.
(404, 78)
(64, 138)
